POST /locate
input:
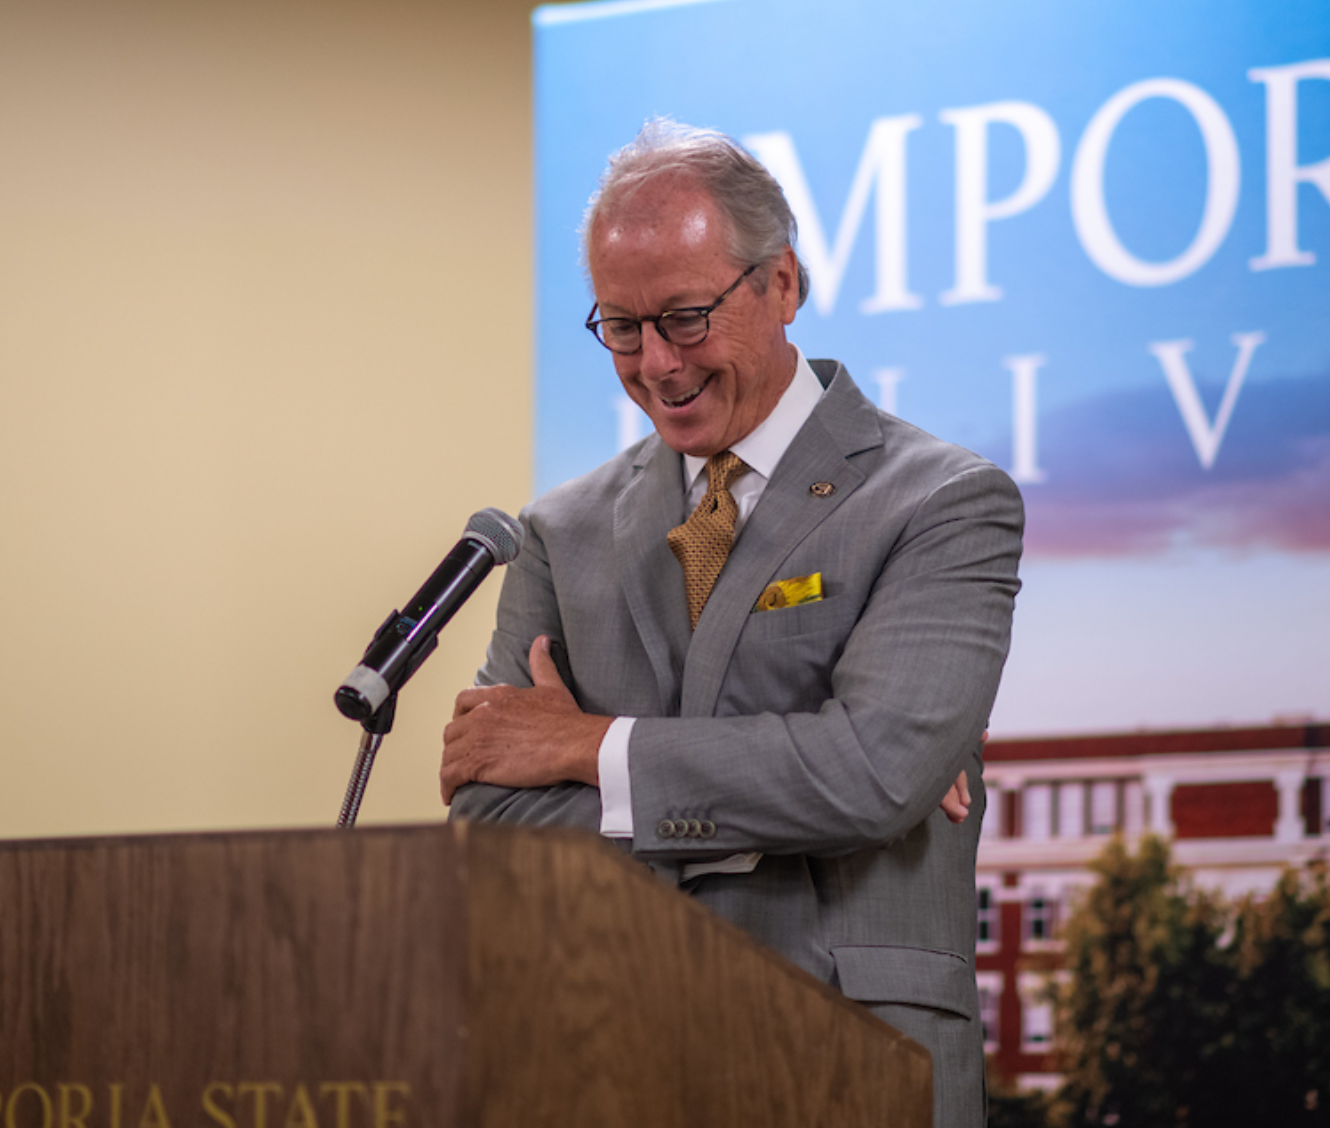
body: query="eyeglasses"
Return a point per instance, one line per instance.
(686, 326)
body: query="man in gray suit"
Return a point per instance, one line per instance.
(784, 757)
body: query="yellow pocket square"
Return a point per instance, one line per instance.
(790, 593)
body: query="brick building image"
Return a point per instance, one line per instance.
(1239, 805)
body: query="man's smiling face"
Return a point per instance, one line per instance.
(666, 249)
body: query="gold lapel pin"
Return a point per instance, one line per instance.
(821, 489)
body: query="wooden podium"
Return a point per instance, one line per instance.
(419, 977)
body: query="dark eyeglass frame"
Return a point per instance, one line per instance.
(661, 319)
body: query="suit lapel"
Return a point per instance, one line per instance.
(644, 512)
(843, 424)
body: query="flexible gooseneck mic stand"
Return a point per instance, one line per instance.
(376, 726)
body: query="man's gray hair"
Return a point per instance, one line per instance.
(760, 220)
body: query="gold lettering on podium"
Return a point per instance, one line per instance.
(240, 1104)
(384, 1115)
(341, 1090)
(301, 1112)
(261, 1090)
(154, 1112)
(68, 1117)
(210, 1106)
(11, 1107)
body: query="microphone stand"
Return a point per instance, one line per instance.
(376, 728)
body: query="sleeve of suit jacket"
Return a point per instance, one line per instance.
(819, 729)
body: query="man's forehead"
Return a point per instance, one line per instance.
(669, 210)
(685, 236)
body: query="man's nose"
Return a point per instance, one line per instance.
(659, 356)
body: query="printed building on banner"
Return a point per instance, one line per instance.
(1238, 805)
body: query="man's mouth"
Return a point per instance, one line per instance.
(687, 398)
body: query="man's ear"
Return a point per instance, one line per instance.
(784, 280)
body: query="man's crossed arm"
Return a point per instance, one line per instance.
(536, 736)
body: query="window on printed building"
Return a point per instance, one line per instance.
(988, 915)
(1071, 810)
(1040, 916)
(1036, 1025)
(989, 997)
(992, 826)
(1037, 813)
(1036, 991)
(1104, 806)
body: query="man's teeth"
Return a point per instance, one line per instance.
(686, 398)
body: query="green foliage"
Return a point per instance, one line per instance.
(1146, 991)
(1182, 1010)
(1012, 1108)
(1273, 1062)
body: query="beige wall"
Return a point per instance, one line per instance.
(265, 280)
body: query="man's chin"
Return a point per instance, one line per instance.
(683, 438)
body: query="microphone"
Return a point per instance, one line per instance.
(407, 638)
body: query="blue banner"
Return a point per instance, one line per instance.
(1088, 241)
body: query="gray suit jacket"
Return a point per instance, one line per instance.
(822, 735)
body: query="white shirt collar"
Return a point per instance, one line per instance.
(763, 447)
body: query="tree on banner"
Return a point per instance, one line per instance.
(1181, 1009)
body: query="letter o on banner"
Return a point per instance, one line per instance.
(1090, 212)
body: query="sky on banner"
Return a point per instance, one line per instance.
(1090, 242)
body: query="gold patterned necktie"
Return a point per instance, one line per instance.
(703, 542)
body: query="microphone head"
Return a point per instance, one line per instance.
(498, 532)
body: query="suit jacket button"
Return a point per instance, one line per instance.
(665, 828)
(707, 829)
(694, 828)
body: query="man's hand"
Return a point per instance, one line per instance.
(521, 737)
(956, 802)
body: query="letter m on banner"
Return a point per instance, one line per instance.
(883, 165)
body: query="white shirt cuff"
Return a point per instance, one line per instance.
(616, 799)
